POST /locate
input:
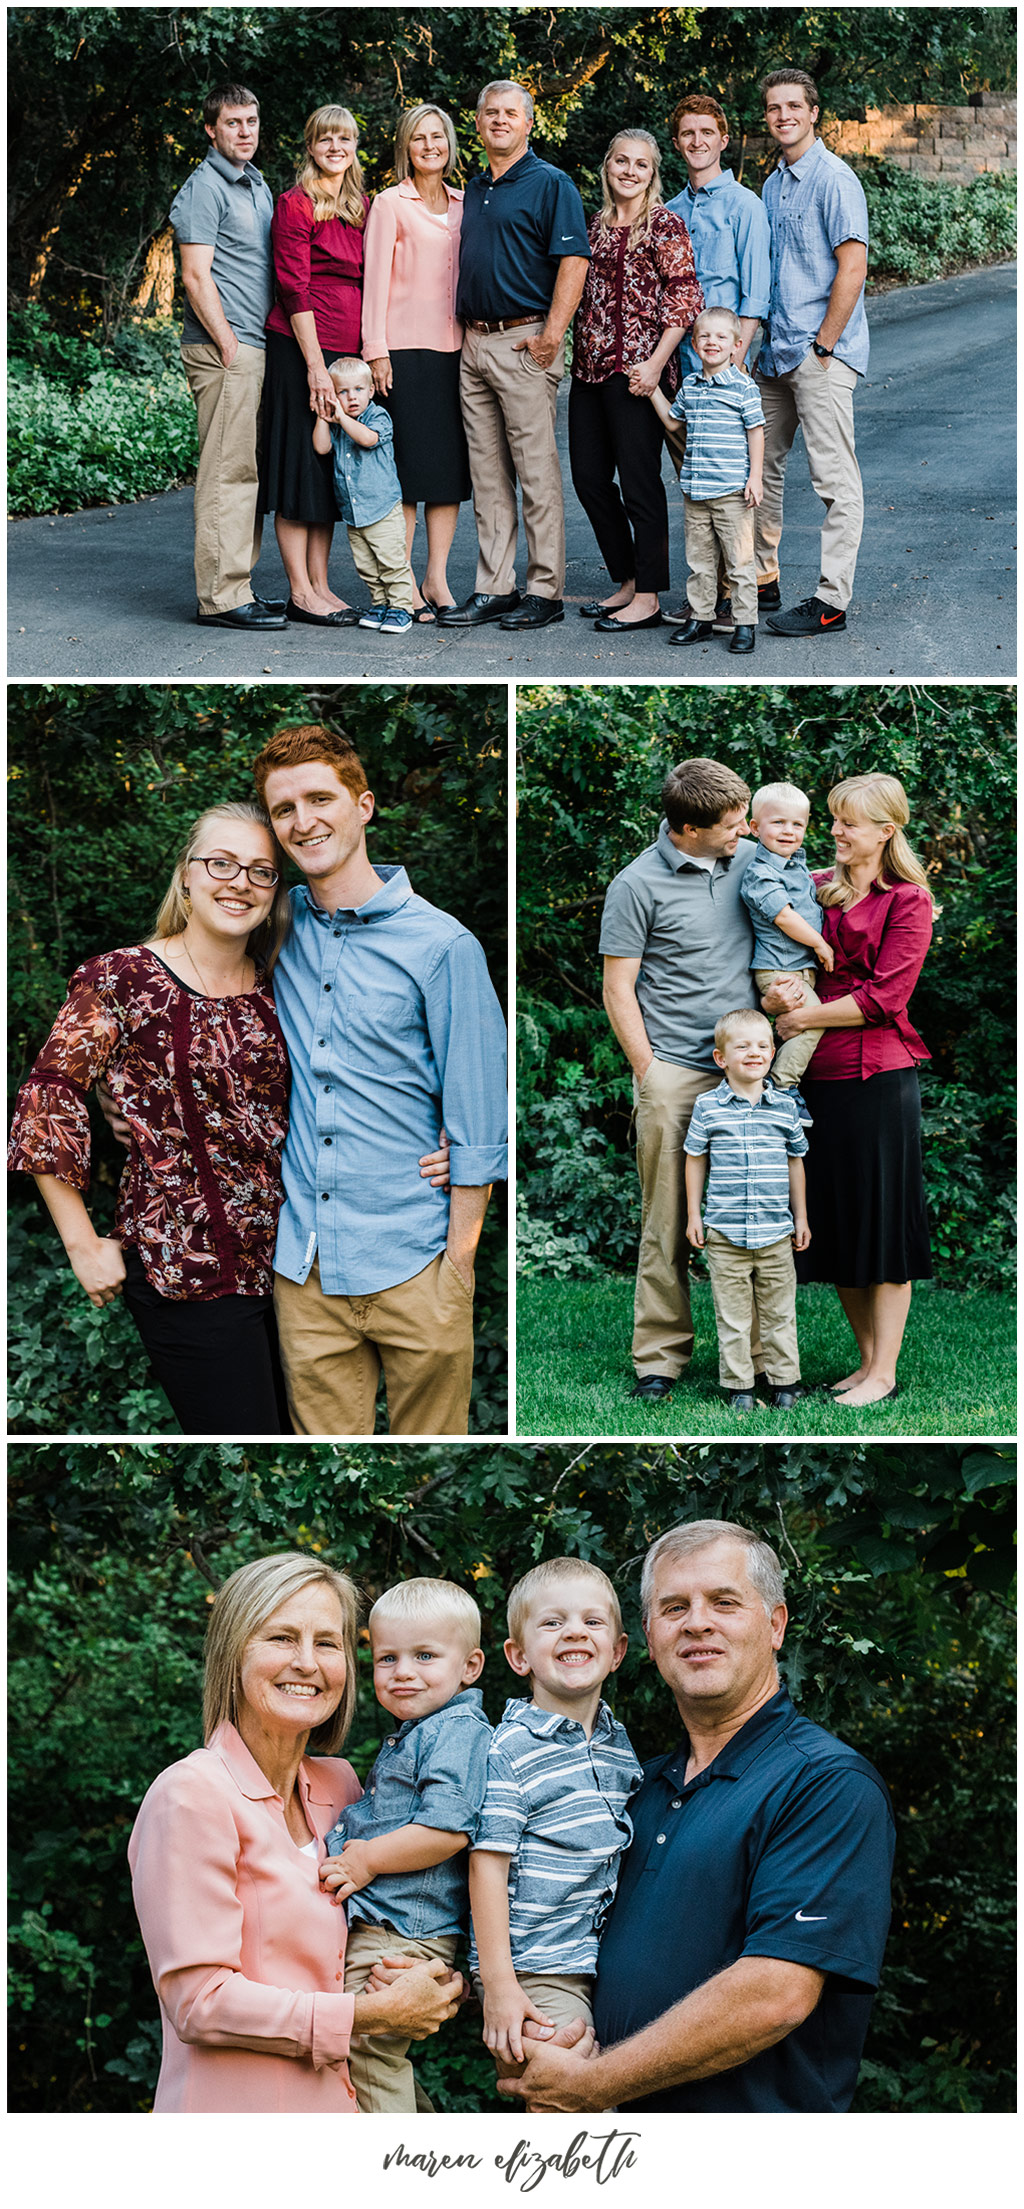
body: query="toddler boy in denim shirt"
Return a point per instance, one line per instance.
(369, 495)
(397, 1857)
(780, 897)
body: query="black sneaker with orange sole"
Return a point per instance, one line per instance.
(811, 618)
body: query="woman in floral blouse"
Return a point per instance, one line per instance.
(641, 298)
(184, 1032)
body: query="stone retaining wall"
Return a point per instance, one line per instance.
(954, 144)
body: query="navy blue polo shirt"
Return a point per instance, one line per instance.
(515, 230)
(782, 1847)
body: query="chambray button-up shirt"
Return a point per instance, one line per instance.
(769, 885)
(813, 205)
(730, 236)
(751, 1145)
(366, 483)
(431, 1772)
(393, 1030)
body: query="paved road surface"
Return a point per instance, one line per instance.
(109, 591)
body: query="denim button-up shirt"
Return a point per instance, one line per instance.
(431, 1772)
(730, 236)
(769, 885)
(393, 1030)
(366, 483)
(813, 204)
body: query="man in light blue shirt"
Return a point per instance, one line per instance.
(393, 1028)
(814, 349)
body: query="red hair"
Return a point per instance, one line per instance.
(301, 747)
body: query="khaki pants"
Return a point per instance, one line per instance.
(819, 400)
(769, 1275)
(791, 1059)
(662, 1325)
(333, 1349)
(227, 533)
(562, 1996)
(378, 551)
(723, 526)
(508, 407)
(384, 2080)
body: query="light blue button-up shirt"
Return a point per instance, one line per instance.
(366, 483)
(393, 1029)
(813, 205)
(431, 1772)
(769, 885)
(731, 238)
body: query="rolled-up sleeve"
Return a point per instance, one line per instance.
(379, 254)
(291, 234)
(467, 1037)
(682, 297)
(901, 955)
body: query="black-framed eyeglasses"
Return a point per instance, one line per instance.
(261, 876)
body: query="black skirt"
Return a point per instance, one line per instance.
(865, 1184)
(430, 442)
(295, 481)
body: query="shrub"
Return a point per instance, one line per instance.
(922, 229)
(118, 437)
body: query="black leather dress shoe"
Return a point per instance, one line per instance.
(740, 1399)
(742, 639)
(693, 632)
(609, 621)
(534, 613)
(253, 615)
(340, 617)
(271, 605)
(654, 1386)
(481, 606)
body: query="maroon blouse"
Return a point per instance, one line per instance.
(879, 946)
(632, 297)
(203, 1085)
(318, 269)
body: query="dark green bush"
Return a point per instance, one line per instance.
(120, 436)
(922, 229)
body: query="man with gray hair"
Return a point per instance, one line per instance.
(762, 1852)
(522, 268)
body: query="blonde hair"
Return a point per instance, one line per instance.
(350, 202)
(778, 793)
(731, 1022)
(547, 1575)
(346, 366)
(242, 1606)
(717, 314)
(265, 941)
(881, 800)
(417, 1602)
(652, 197)
(408, 124)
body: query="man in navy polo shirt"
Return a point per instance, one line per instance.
(522, 268)
(740, 1957)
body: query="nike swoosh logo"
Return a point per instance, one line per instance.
(802, 1919)
(828, 619)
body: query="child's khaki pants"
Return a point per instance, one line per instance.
(561, 1996)
(771, 1275)
(384, 2080)
(725, 525)
(791, 1058)
(381, 560)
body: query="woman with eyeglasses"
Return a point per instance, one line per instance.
(183, 1030)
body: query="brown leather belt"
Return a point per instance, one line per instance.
(511, 322)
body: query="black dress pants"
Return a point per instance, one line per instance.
(217, 1362)
(611, 432)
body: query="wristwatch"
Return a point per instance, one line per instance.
(824, 352)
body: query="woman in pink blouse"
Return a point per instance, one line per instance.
(245, 1946)
(412, 340)
(641, 298)
(865, 1185)
(317, 239)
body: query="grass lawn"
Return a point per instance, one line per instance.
(957, 1367)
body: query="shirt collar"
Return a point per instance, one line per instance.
(407, 189)
(677, 859)
(227, 1744)
(395, 891)
(468, 1698)
(229, 170)
(726, 1094)
(525, 159)
(801, 167)
(745, 1746)
(717, 184)
(520, 1712)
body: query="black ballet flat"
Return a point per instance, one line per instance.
(626, 628)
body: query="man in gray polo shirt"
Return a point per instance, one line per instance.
(221, 219)
(677, 945)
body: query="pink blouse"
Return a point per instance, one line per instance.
(411, 274)
(318, 270)
(879, 946)
(632, 297)
(245, 1947)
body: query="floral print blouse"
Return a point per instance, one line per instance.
(203, 1085)
(632, 297)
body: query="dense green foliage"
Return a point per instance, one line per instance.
(91, 427)
(592, 763)
(103, 785)
(922, 228)
(899, 1563)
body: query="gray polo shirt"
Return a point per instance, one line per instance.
(231, 210)
(691, 932)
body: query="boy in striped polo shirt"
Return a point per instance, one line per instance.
(756, 1212)
(720, 480)
(560, 1774)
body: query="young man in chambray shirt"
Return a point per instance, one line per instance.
(815, 348)
(221, 219)
(393, 1030)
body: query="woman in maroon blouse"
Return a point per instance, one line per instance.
(317, 239)
(865, 1186)
(641, 297)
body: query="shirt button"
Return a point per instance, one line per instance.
(661, 1838)
(327, 989)
(391, 1740)
(324, 1198)
(677, 1805)
(327, 1089)
(328, 1140)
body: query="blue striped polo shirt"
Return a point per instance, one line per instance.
(556, 1803)
(747, 1195)
(719, 411)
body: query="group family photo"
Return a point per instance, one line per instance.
(362, 342)
(383, 1788)
(765, 1177)
(257, 1061)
